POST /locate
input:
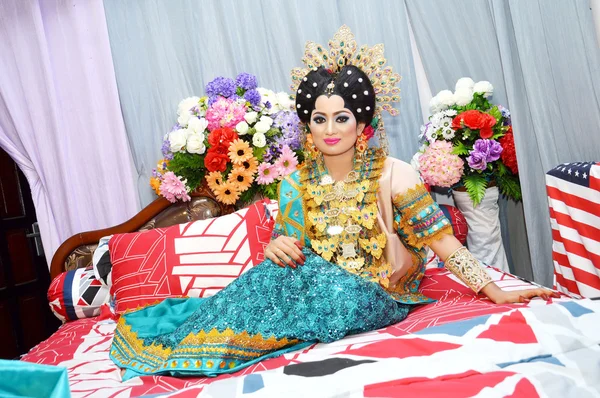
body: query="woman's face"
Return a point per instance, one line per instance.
(333, 127)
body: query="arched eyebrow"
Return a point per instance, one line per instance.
(335, 113)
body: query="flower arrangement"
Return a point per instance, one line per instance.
(239, 139)
(469, 142)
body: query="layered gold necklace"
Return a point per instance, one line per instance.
(341, 216)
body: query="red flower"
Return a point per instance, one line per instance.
(369, 132)
(509, 154)
(215, 159)
(223, 136)
(475, 120)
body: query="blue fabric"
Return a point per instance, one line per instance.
(267, 311)
(25, 379)
(68, 295)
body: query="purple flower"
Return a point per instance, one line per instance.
(289, 123)
(477, 161)
(246, 81)
(491, 149)
(221, 86)
(505, 115)
(268, 105)
(253, 97)
(166, 148)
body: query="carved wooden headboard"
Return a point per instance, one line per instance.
(77, 251)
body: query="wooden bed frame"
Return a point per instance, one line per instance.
(77, 251)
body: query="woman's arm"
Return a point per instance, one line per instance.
(448, 246)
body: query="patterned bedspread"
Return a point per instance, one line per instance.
(460, 346)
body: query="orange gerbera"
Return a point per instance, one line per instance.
(214, 180)
(227, 193)
(239, 151)
(155, 184)
(250, 165)
(241, 178)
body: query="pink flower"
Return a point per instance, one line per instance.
(267, 173)
(225, 112)
(439, 166)
(287, 162)
(173, 188)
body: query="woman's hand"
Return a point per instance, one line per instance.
(285, 250)
(500, 296)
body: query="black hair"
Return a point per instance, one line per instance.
(351, 83)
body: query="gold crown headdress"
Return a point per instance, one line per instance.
(343, 51)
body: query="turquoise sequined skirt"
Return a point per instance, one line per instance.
(266, 312)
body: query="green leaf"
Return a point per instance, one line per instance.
(246, 197)
(251, 131)
(495, 112)
(502, 170)
(270, 190)
(460, 149)
(509, 186)
(259, 152)
(189, 166)
(272, 132)
(476, 185)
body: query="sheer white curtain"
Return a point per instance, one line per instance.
(60, 118)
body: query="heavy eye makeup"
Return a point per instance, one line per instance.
(339, 119)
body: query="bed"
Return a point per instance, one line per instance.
(462, 345)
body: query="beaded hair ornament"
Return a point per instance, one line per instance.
(343, 50)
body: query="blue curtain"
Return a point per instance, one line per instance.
(165, 51)
(543, 60)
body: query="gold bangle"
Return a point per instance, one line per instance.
(467, 268)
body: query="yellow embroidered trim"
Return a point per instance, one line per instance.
(194, 345)
(467, 268)
(410, 204)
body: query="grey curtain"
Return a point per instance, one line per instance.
(165, 51)
(543, 59)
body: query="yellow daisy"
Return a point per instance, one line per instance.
(241, 178)
(227, 193)
(214, 180)
(239, 151)
(250, 165)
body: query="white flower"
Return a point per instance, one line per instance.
(447, 133)
(414, 162)
(270, 97)
(485, 88)
(195, 143)
(250, 117)
(446, 98)
(197, 125)
(183, 110)
(184, 118)
(259, 140)
(434, 105)
(464, 82)
(187, 104)
(267, 120)
(241, 128)
(262, 127)
(284, 101)
(463, 96)
(178, 139)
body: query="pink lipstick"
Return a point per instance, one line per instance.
(331, 141)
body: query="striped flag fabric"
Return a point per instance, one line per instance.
(574, 201)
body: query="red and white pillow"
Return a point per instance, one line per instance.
(195, 259)
(77, 294)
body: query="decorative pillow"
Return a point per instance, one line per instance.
(77, 294)
(458, 221)
(195, 259)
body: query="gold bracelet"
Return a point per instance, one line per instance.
(467, 268)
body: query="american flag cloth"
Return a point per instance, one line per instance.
(574, 201)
